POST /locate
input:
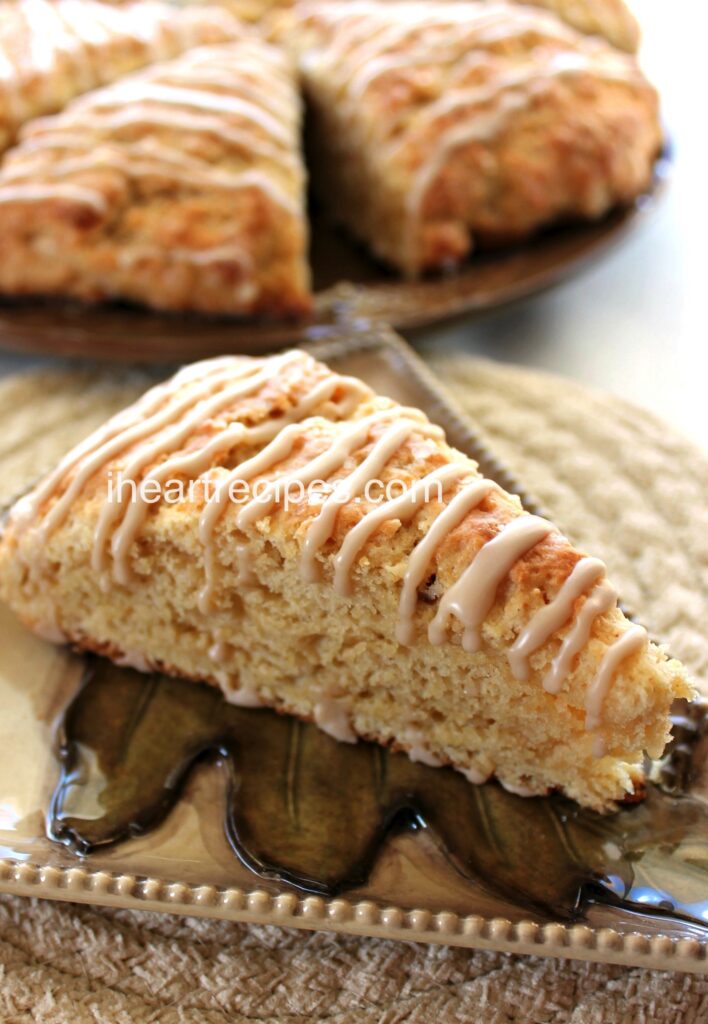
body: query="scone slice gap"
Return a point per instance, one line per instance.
(438, 127)
(180, 188)
(331, 556)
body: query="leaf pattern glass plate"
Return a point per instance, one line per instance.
(121, 789)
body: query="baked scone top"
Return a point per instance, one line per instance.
(52, 50)
(239, 94)
(180, 185)
(609, 18)
(482, 119)
(285, 446)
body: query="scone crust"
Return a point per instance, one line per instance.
(181, 188)
(53, 50)
(452, 124)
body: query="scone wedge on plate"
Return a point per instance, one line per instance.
(53, 50)
(439, 126)
(280, 531)
(179, 187)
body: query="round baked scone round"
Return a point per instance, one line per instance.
(437, 126)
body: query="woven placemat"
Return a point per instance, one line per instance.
(620, 483)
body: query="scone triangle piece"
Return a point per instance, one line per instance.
(180, 187)
(437, 127)
(278, 530)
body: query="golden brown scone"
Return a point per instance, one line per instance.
(438, 125)
(278, 530)
(53, 50)
(247, 10)
(609, 18)
(180, 187)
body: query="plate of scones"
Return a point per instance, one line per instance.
(284, 642)
(237, 176)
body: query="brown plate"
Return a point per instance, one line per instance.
(349, 286)
(474, 866)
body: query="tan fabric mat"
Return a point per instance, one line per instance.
(618, 481)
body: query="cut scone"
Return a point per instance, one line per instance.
(180, 187)
(437, 126)
(53, 50)
(278, 530)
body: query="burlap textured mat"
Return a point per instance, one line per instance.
(618, 481)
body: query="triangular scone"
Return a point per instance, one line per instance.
(276, 529)
(180, 187)
(53, 50)
(436, 126)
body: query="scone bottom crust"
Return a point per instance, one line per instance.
(329, 555)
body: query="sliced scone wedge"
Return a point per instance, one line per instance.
(180, 187)
(54, 50)
(278, 530)
(439, 126)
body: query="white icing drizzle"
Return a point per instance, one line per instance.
(325, 464)
(246, 576)
(333, 718)
(552, 617)
(202, 407)
(468, 498)
(40, 193)
(50, 51)
(182, 429)
(48, 134)
(119, 128)
(144, 91)
(599, 601)
(470, 599)
(283, 435)
(134, 660)
(182, 402)
(124, 159)
(632, 641)
(218, 651)
(414, 742)
(27, 509)
(243, 697)
(518, 789)
(402, 507)
(347, 489)
(473, 775)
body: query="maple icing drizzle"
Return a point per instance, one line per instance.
(176, 430)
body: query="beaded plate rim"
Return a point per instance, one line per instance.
(364, 918)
